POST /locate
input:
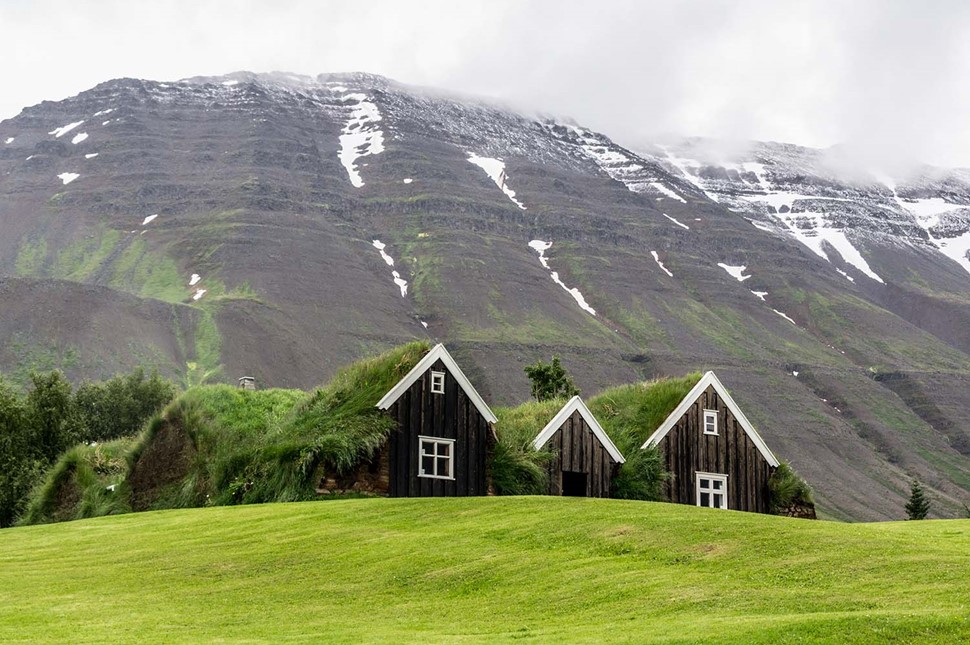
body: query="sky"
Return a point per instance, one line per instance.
(889, 80)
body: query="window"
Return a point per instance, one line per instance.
(436, 457)
(710, 421)
(437, 382)
(712, 490)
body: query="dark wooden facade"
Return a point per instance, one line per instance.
(581, 466)
(686, 450)
(451, 415)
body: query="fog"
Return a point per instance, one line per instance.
(889, 80)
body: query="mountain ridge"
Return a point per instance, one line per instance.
(288, 229)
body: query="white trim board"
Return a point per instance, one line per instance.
(706, 381)
(438, 352)
(567, 410)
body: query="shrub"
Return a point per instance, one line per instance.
(517, 467)
(787, 489)
(550, 381)
(629, 414)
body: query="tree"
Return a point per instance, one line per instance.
(18, 467)
(50, 408)
(918, 506)
(550, 381)
(119, 406)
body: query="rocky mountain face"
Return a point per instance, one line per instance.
(278, 226)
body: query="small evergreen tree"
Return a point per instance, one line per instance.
(550, 381)
(918, 506)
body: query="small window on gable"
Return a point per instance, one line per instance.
(436, 457)
(437, 382)
(710, 421)
(712, 490)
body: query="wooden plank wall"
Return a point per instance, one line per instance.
(577, 449)
(451, 415)
(687, 450)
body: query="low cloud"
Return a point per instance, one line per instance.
(887, 79)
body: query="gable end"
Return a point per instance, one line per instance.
(437, 353)
(710, 380)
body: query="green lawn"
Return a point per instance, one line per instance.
(536, 569)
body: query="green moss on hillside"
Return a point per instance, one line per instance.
(148, 273)
(80, 259)
(31, 258)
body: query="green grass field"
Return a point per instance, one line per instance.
(529, 569)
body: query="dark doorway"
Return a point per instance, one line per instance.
(573, 484)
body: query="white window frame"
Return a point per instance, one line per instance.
(711, 491)
(436, 441)
(712, 415)
(437, 382)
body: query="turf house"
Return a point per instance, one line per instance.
(713, 455)
(584, 460)
(444, 432)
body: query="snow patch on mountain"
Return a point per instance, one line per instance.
(401, 283)
(407, 180)
(194, 279)
(685, 166)
(845, 275)
(495, 169)
(68, 177)
(10, 140)
(760, 295)
(79, 137)
(666, 191)
(360, 137)
(380, 246)
(812, 229)
(103, 112)
(149, 219)
(621, 165)
(786, 317)
(91, 155)
(541, 247)
(198, 294)
(736, 272)
(64, 129)
(675, 221)
(656, 258)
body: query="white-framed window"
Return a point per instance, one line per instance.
(437, 382)
(436, 457)
(712, 490)
(710, 421)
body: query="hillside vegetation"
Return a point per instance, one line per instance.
(533, 569)
(217, 445)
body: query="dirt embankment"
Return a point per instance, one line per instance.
(163, 462)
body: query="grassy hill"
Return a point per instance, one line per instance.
(534, 569)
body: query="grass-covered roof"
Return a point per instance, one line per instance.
(218, 444)
(628, 414)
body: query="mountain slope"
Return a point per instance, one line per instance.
(280, 226)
